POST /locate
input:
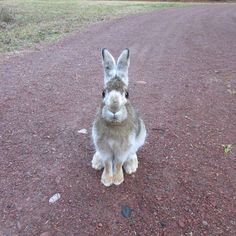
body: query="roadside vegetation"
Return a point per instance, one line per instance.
(25, 23)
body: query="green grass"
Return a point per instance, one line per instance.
(25, 23)
(227, 148)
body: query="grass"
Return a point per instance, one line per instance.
(25, 23)
(227, 148)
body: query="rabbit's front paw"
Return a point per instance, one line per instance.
(118, 176)
(118, 179)
(106, 179)
(97, 162)
(131, 164)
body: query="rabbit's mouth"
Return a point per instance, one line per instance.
(115, 118)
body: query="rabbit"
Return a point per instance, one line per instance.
(118, 131)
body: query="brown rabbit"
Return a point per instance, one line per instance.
(118, 131)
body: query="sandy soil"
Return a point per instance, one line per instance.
(185, 184)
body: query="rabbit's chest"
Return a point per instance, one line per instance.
(117, 145)
(120, 144)
(112, 143)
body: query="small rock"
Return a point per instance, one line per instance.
(126, 211)
(181, 223)
(82, 131)
(141, 82)
(45, 234)
(55, 198)
(100, 225)
(160, 131)
(205, 223)
(163, 224)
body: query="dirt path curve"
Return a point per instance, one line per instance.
(185, 184)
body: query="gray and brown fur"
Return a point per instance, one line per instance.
(118, 140)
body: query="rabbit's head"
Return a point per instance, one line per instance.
(115, 93)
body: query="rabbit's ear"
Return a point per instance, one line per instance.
(109, 65)
(123, 65)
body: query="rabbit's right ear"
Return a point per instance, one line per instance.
(123, 66)
(109, 65)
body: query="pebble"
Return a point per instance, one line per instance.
(141, 82)
(45, 234)
(163, 224)
(126, 211)
(55, 198)
(100, 225)
(205, 223)
(82, 131)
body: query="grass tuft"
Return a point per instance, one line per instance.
(6, 16)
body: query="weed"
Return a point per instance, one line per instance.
(227, 148)
(6, 16)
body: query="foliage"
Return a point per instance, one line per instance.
(227, 148)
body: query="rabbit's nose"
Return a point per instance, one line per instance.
(115, 100)
(114, 107)
(113, 110)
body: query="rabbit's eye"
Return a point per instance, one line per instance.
(126, 94)
(103, 93)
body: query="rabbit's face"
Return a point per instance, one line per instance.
(115, 97)
(115, 94)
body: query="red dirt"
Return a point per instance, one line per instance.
(185, 184)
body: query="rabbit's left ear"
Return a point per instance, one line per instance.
(109, 65)
(123, 65)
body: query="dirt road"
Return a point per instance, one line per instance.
(185, 184)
